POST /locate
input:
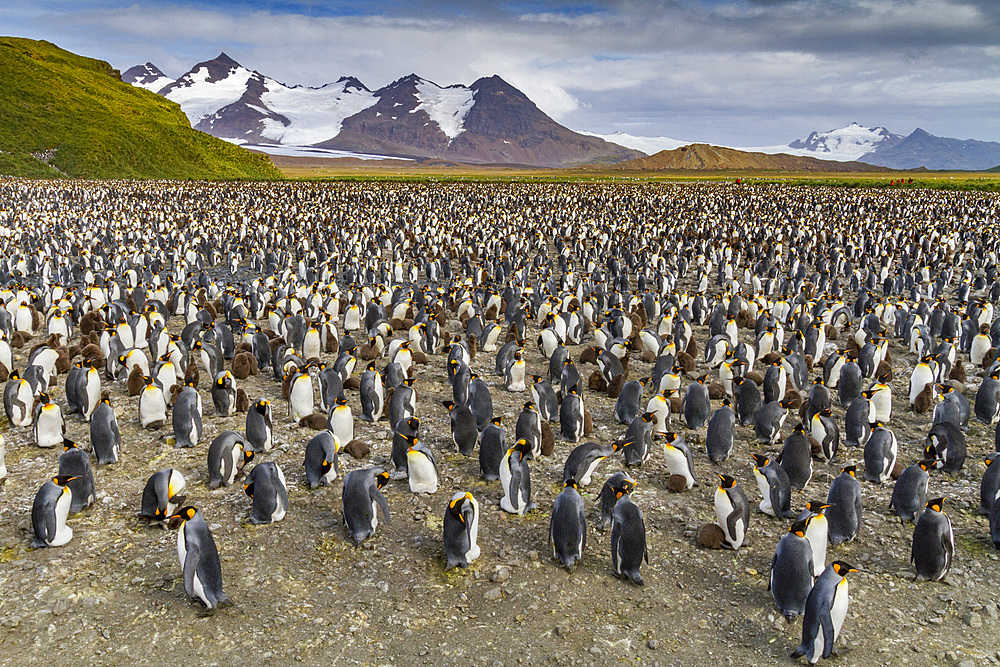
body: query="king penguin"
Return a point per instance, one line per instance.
(199, 558)
(461, 530)
(568, 526)
(732, 512)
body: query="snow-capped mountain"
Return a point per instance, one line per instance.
(846, 143)
(489, 121)
(146, 76)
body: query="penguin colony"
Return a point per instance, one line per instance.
(766, 344)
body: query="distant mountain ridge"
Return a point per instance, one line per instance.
(488, 121)
(704, 157)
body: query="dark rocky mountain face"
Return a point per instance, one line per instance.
(923, 149)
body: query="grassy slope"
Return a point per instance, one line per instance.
(100, 126)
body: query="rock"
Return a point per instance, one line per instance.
(561, 630)
(973, 620)
(653, 644)
(501, 575)
(493, 594)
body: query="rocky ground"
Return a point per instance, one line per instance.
(302, 592)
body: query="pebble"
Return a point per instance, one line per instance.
(653, 644)
(502, 574)
(973, 620)
(493, 594)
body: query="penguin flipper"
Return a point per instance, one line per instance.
(383, 505)
(583, 524)
(826, 622)
(191, 560)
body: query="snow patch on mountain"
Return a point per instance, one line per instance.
(845, 143)
(200, 98)
(446, 106)
(315, 114)
(648, 145)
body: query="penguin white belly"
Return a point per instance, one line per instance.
(516, 381)
(591, 467)
(280, 508)
(661, 413)
(473, 552)
(152, 407)
(234, 455)
(883, 405)
(301, 398)
(980, 346)
(63, 532)
(816, 533)
(838, 611)
(48, 429)
(342, 424)
(677, 465)
(723, 509)
(22, 415)
(922, 375)
(765, 491)
(423, 478)
(93, 389)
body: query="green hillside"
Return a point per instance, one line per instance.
(63, 114)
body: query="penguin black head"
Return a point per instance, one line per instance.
(496, 421)
(648, 417)
(413, 423)
(627, 487)
(799, 528)
(521, 446)
(817, 507)
(341, 401)
(183, 514)
(988, 461)
(570, 484)
(63, 480)
(850, 470)
(68, 444)
(381, 479)
(799, 428)
(262, 404)
(409, 381)
(726, 482)
(448, 404)
(247, 456)
(43, 398)
(248, 489)
(727, 402)
(760, 460)
(818, 380)
(937, 504)
(842, 568)
(221, 382)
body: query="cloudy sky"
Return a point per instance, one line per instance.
(736, 72)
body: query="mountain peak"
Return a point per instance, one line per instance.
(147, 76)
(224, 59)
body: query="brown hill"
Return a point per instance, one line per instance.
(703, 157)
